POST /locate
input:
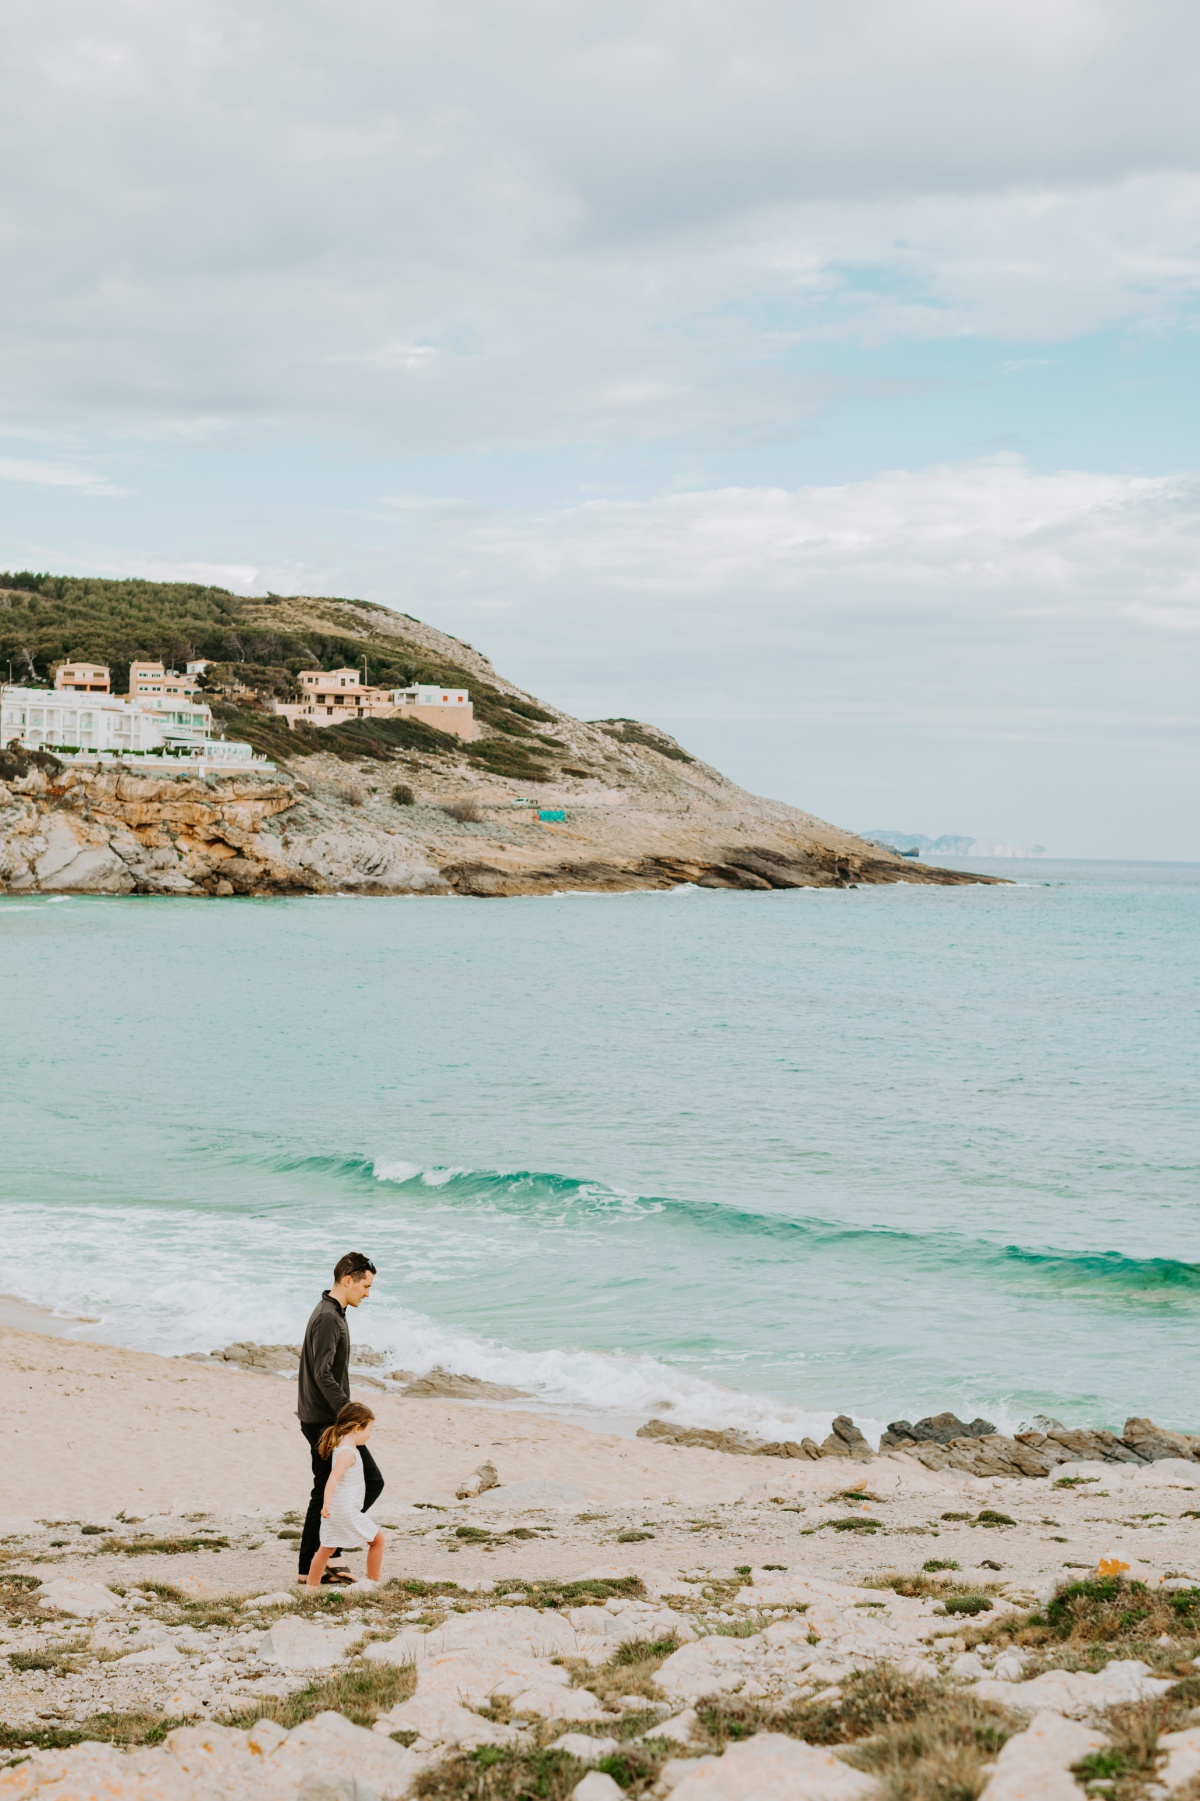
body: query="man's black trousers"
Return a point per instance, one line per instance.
(311, 1538)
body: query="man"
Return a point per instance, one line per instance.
(324, 1389)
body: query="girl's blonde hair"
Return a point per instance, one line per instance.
(353, 1415)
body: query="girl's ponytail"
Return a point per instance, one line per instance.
(352, 1416)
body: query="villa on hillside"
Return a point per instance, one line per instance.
(331, 696)
(162, 725)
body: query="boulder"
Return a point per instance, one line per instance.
(1152, 1443)
(75, 1595)
(438, 1720)
(299, 1644)
(773, 1767)
(446, 1385)
(1071, 1692)
(1035, 1765)
(1093, 1447)
(845, 1440)
(484, 1477)
(583, 1748)
(936, 1429)
(1183, 1758)
(596, 1786)
(267, 1359)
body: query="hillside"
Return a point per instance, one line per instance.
(376, 806)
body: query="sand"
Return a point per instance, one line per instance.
(105, 1431)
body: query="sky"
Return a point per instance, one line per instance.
(817, 382)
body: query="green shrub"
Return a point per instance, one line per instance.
(403, 796)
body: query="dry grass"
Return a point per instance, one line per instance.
(361, 1693)
(467, 812)
(925, 1740)
(629, 1671)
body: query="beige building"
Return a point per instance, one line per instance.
(331, 696)
(151, 681)
(83, 678)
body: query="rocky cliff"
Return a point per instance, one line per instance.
(391, 807)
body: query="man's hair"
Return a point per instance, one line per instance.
(352, 1264)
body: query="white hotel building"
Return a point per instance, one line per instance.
(157, 732)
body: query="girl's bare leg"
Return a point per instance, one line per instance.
(317, 1569)
(375, 1556)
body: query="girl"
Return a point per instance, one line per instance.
(343, 1521)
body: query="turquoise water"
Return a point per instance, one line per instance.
(755, 1157)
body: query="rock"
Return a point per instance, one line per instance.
(333, 1747)
(1069, 1692)
(326, 1759)
(153, 1654)
(278, 1597)
(845, 1440)
(772, 1767)
(596, 1786)
(75, 1595)
(535, 1491)
(936, 1428)
(709, 1666)
(445, 1385)
(968, 1666)
(703, 1438)
(1092, 1447)
(679, 1730)
(299, 1644)
(1183, 1758)
(267, 1359)
(441, 1721)
(485, 1477)
(505, 1651)
(1151, 1442)
(1010, 1665)
(1035, 1765)
(584, 1748)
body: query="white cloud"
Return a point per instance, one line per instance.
(437, 228)
(56, 475)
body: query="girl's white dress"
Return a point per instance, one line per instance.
(347, 1523)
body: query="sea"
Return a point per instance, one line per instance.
(721, 1158)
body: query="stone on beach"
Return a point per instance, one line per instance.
(1035, 1765)
(1072, 1692)
(1183, 1758)
(484, 1477)
(585, 1749)
(325, 1756)
(299, 1644)
(75, 1595)
(437, 1720)
(596, 1786)
(772, 1767)
(503, 1652)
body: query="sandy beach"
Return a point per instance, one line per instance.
(615, 1602)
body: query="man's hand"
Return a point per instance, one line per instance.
(324, 1513)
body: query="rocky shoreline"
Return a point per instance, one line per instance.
(944, 1442)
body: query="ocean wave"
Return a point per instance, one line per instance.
(550, 1197)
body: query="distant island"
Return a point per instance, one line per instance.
(173, 738)
(950, 844)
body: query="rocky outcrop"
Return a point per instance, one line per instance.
(943, 1442)
(936, 1429)
(737, 1444)
(623, 815)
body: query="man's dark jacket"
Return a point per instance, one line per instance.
(324, 1386)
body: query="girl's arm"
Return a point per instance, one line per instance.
(341, 1464)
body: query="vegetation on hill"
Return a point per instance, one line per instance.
(257, 648)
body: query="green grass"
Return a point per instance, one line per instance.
(361, 1693)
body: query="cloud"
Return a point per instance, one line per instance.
(56, 475)
(512, 225)
(1010, 594)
